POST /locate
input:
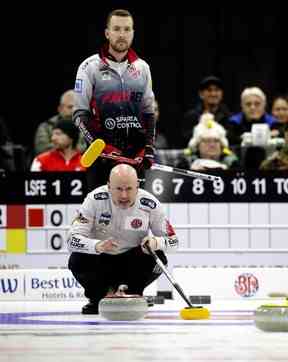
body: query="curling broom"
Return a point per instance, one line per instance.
(190, 312)
(96, 147)
(92, 152)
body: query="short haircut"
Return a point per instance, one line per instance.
(69, 92)
(253, 91)
(118, 12)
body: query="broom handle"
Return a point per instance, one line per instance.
(168, 275)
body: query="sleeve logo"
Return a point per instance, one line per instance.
(148, 202)
(101, 196)
(78, 85)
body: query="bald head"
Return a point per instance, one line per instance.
(123, 171)
(123, 185)
(66, 104)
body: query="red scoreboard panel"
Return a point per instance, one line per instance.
(36, 210)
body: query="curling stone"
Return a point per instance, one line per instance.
(123, 307)
(272, 318)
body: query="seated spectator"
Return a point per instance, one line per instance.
(42, 139)
(64, 156)
(253, 104)
(211, 94)
(209, 146)
(160, 141)
(279, 110)
(279, 159)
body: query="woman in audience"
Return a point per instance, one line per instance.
(209, 146)
(279, 110)
(253, 106)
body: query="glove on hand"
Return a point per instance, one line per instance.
(112, 150)
(154, 242)
(146, 158)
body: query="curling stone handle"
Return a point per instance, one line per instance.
(122, 288)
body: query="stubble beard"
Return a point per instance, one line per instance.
(120, 48)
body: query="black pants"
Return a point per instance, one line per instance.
(99, 273)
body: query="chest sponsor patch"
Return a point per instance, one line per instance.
(105, 218)
(136, 223)
(105, 75)
(133, 71)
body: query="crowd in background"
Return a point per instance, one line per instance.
(212, 135)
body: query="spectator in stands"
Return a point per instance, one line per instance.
(240, 126)
(279, 159)
(279, 110)
(64, 156)
(160, 141)
(42, 140)
(253, 105)
(7, 162)
(209, 146)
(211, 94)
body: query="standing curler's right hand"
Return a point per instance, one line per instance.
(111, 150)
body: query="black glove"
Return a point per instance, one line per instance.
(146, 158)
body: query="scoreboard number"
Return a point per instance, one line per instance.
(56, 242)
(57, 239)
(76, 188)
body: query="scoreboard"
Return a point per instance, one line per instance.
(40, 187)
(30, 228)
(36, 209)
(234, 187)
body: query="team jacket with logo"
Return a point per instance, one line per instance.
(99, 219)
(116, 106)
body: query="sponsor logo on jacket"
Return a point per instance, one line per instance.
(122, 96)
(148, 202)
(122, 122)
(105, 218)
(76, 243)
(136, 223)
(101, 196)
(78, 86)
(81, 219)
(133, 71)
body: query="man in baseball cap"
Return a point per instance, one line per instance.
(210, 80)
(211, 95)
